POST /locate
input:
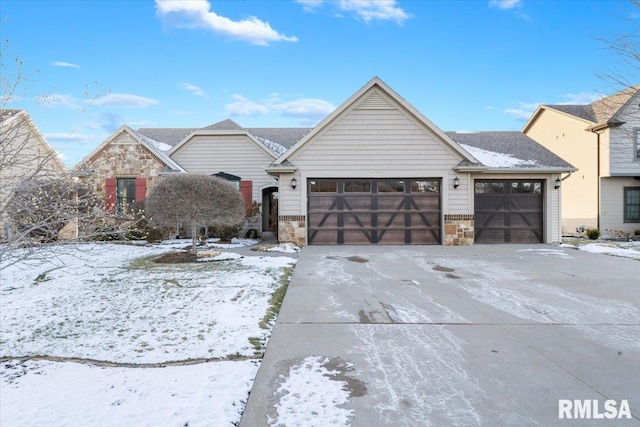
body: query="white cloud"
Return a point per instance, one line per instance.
(57, 101)
(196, 90)
(245, 107)
(64, 64)
(310, 5)
(523, 112)
(316, 108)
(196, 14)
(375, 10)
(125, 100)
(308, 110)
(366, 10)
(504, 4)
(581, 98)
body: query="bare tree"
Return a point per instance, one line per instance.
(198, 200)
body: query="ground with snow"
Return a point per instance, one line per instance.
(624, 249)
(111, 303)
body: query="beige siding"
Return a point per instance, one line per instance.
(613, 206)
(567, 137)
(234, 154)
(377, 139)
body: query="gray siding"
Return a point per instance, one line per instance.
(612, 208)
(622, 141)
(234, 154)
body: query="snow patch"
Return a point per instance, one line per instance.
(273, 146)
(498, 160)
(69, 394)
(308, 395)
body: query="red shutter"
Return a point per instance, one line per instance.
(246, 189)
(141, 189)
(110, 194)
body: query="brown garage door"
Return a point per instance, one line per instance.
(374, 211)
(509, 211)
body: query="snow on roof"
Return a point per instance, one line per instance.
(276, 148)
(497, 160)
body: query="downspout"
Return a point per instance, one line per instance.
(597, 131)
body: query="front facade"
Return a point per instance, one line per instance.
(601, 140)
(376, 171)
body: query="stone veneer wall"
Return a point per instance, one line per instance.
(124, 157)
(291, 229)
(459, 230)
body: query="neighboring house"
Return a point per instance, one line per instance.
(24, 156)
(601, 140)
(376, 171)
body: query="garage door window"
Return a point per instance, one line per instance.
(391, 187)
(357, 187)
(323, 186)
(425, 186)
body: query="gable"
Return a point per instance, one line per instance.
(376, 119)
(376, 135)
(212, 152)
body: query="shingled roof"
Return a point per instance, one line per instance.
(602, 110)
(508, 149)
(282, 137)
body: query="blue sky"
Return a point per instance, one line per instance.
(467, 65)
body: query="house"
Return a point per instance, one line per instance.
(601, 140)
(377, 171)
(25, 156)
(129, 162)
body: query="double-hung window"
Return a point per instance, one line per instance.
(632, 204)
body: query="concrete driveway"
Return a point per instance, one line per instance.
(434, 336)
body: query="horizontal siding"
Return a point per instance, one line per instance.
(613, 205)
(567, 138)
(234, 154)
(371, 142)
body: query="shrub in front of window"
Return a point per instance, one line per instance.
(197, 200)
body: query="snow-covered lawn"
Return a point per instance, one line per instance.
(111, 303)
(622, 249)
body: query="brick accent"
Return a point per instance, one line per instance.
(459, 230)
(292, 229)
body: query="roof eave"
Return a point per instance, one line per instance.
(530, 170)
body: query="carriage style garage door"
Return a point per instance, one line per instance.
(374, 211)
(509, 211)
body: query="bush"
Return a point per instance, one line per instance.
(636, 232)
(107, 233)
(593, 233)
(225, 233)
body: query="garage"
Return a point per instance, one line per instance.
(374, 211)
(509, 211)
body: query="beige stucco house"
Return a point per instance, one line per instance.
(24, 157)
(601, 140)
(377, 171)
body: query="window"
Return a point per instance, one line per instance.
(636, 132)
(125, 195)
(323, 186)
(425, 186)
(632, 204)
(357, 186)
(390, 186)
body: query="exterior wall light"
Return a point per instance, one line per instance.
(294, 183)
(456, 182)
(558, 182)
